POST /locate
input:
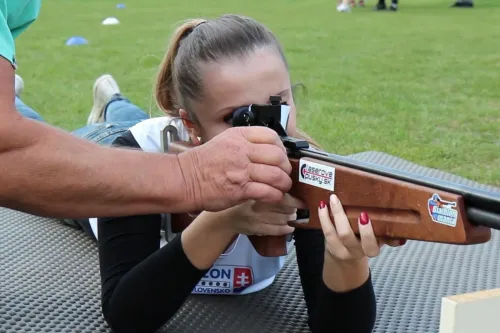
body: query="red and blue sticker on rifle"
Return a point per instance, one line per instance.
(442, 211)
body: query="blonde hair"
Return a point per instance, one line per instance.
(198, 41)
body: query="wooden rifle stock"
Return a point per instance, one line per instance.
(398, 208)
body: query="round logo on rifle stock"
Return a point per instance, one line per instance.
(317, 174)
(303, 170)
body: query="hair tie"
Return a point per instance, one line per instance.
(190, 30)
(187, 33)
(196, 26)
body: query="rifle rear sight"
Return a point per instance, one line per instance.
(268, 115)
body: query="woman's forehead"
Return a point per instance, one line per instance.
(247, 80)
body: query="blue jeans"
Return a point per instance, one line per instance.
(119, 115)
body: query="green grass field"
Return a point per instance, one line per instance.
(422, 83)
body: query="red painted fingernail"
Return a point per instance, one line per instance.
(402, 241)
(363, 219)
(322, 204)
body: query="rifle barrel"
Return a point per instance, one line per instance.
(483, 207)
(485, 218)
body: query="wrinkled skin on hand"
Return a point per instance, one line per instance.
(241, 163)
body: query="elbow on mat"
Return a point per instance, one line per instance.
(125, 318)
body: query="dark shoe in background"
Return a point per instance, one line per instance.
(463, 4)
(380, 6)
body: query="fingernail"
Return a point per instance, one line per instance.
(363, 218)
(334, 199)
(322, 204)
(402, 241)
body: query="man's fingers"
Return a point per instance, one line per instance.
(261, 192)
(270, 175)
(274, 208)
(269, 155)
(270, 218)
(261, 135)
(274, 230)
(287, 210)
(288, 205)
(291, 201)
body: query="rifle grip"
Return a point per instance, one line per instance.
(269, 246)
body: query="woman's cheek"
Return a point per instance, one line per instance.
(214, 131)
(291, 126)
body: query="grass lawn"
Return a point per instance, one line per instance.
(422, 83)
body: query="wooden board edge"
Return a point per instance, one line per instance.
(477, 312)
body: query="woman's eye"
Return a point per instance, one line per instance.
(228, 118)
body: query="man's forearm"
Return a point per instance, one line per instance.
(49, 172)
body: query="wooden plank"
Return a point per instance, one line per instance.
(477, 312)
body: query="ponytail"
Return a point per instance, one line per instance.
(165, 90)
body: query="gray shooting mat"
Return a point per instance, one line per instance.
(50, 281)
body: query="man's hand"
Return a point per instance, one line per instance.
(239, 164)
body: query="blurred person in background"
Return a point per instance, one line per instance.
(464, 3)
(382, 6)
(346, 5)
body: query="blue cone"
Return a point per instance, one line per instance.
(120, 6)
(76, 40)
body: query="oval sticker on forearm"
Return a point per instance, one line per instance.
(316, 174)
(442, 211)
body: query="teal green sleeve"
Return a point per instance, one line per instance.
(7, 46)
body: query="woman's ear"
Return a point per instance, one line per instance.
(192, 128)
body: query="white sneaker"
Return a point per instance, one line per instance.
(19, 85)
(343, 8)
(104, 88)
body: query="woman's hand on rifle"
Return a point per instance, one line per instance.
(212, 232)
(264, 219)
(346, 255)
(341, 242)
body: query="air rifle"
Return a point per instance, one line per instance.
(400, 204)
